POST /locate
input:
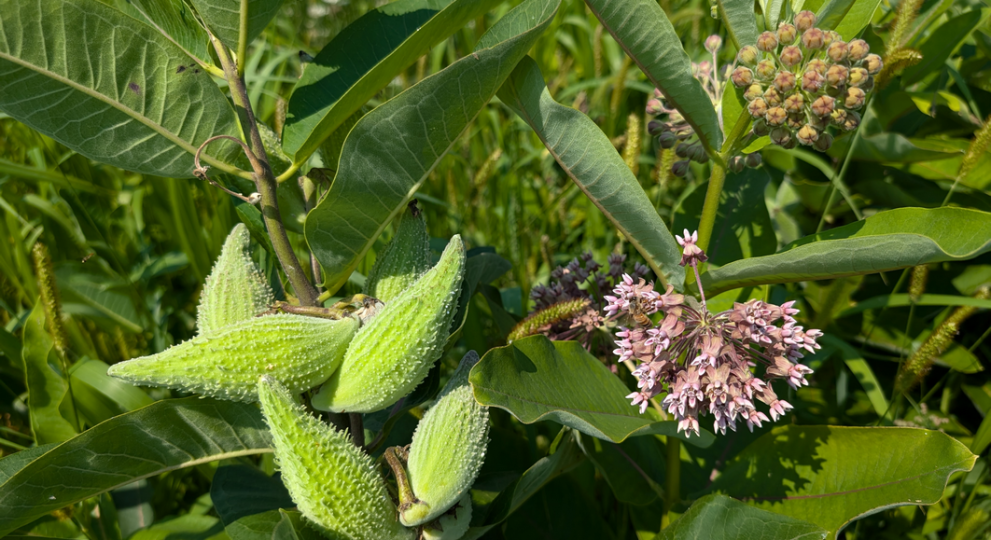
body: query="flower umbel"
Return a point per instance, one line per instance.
(703, 360)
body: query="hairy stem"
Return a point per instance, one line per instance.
(397, 463)
(711, 205)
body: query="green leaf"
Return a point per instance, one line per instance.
(165, 436)
(889, 147)
(983, 436)
(482, 267)
(223, 17)
(633, 469)
(740, 21)
(885, 241)
(772, 13)
(862, 371)
(536, 379)
(942, 42)
(173, 19)
(45, 382)
(830, 475)
(100, 397)
(585, 153)
(273, 525)
(902, 300)
(107, 86)
(856, 19)
(238, 491)
(715, 517)
(90, 286)
(187, 527)
(17, 461)
(392, 149)
(743, 227)
(649, 38)
(832, 12)
(339, 80)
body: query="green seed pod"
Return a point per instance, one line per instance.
(393, 353)
(235, 290)
(450, 526)
(301, 351)
(404, 260)
(448, 449)
(334, 484)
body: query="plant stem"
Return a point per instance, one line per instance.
(242, 38)
(357, 429)
(265, 182)
(396, 462)
(672, 490)
(711, 206)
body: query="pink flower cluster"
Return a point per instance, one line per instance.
(703, 360)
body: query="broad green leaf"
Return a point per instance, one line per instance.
(17, 461)
(223, 17)
(45, 382)
(740, 21)
(190, 526)
(33, 174)
(832, 12)
(164, 436)
(772, 13)
(90, 286)
(482, 267)
(889, 147)
(983, 436)
(830, 475)
(861, 371)
(108, 86)
(589, 158)
(743, 227)
(901, 300)
(649, 38)
(273, 525)
(942, 42)
(885, 241)
(856, 19)
(536, 379)
(715, 517)
(173, 19)
(339, 80)
(392, 149)
(99, 396)
(238, 491)
(633, 469)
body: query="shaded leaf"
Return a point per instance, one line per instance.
(106, 86)
(649, 38)
(901, 300)
(861, 371)
(223, 17)
(238, 491)
(339, 80)
(161, 437)
(885, 241)
(99, 396)
(273, 525)
(889, 147)
(829, 475)
(942, 42)
(391, 150)
(87, 285)
(633, 468)
(715, 517)
(536, 379)
(740, 21)
(46, 383)
(187, 527)
(172, 18)
(587, 156)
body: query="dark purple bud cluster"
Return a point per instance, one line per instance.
(800, 80)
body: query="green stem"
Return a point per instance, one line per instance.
(708, 220)
(242, 38)
(397, 463)
(673, 487)
(838, 177)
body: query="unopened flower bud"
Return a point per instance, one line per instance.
(812, 81)
(656, 127)
(823, 106)
(818, 123)
(781, 136)
(698, 154)
(851, 122)
(680, 168)
(858, 50)
(838, 117)
(787, 33)
(748, 55)
(858, 76)
(814, 39)
(761, 128)
(757, 108)
(823, 143)
(753, 160)
(795, 120)
(766, 70)
(832, 36)
(657, 93)
(791, 56)
(855, 98)
(836, 75)
(736, 164)
(817, 65)
(776, 116)
(767, 42)
(805, 20)
(784, 81)
(654, 106)
(713, 43)
(667, 139)
(807, 135)
(873, 63)
(772, 97)
(837, 51)
(794, 103)
(683, 150)
(742, 77)
(753, 92)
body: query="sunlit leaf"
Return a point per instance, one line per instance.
(715, 517)
(223, 17)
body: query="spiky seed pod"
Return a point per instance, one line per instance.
(448, 448)
(404, 260)
(742, 77)
(836, 75)
(753, 92)
(748, 55)
(787, 33)
(236, 290)
(757, 109)
(300, 351)
(765, 70)
(814, 39)
(858, 50)
(791, 56)
(393, 353)
(823, 106)
(776, 116)
(334, 484)
(824, 142)
(773, 97)
(784, 81)
(794, 103)
(552, 314)
(767, 42)
(855, 98)
(837, 51)
(804, 20)
(452, 525)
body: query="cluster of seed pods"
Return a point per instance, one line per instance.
(800, 80)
